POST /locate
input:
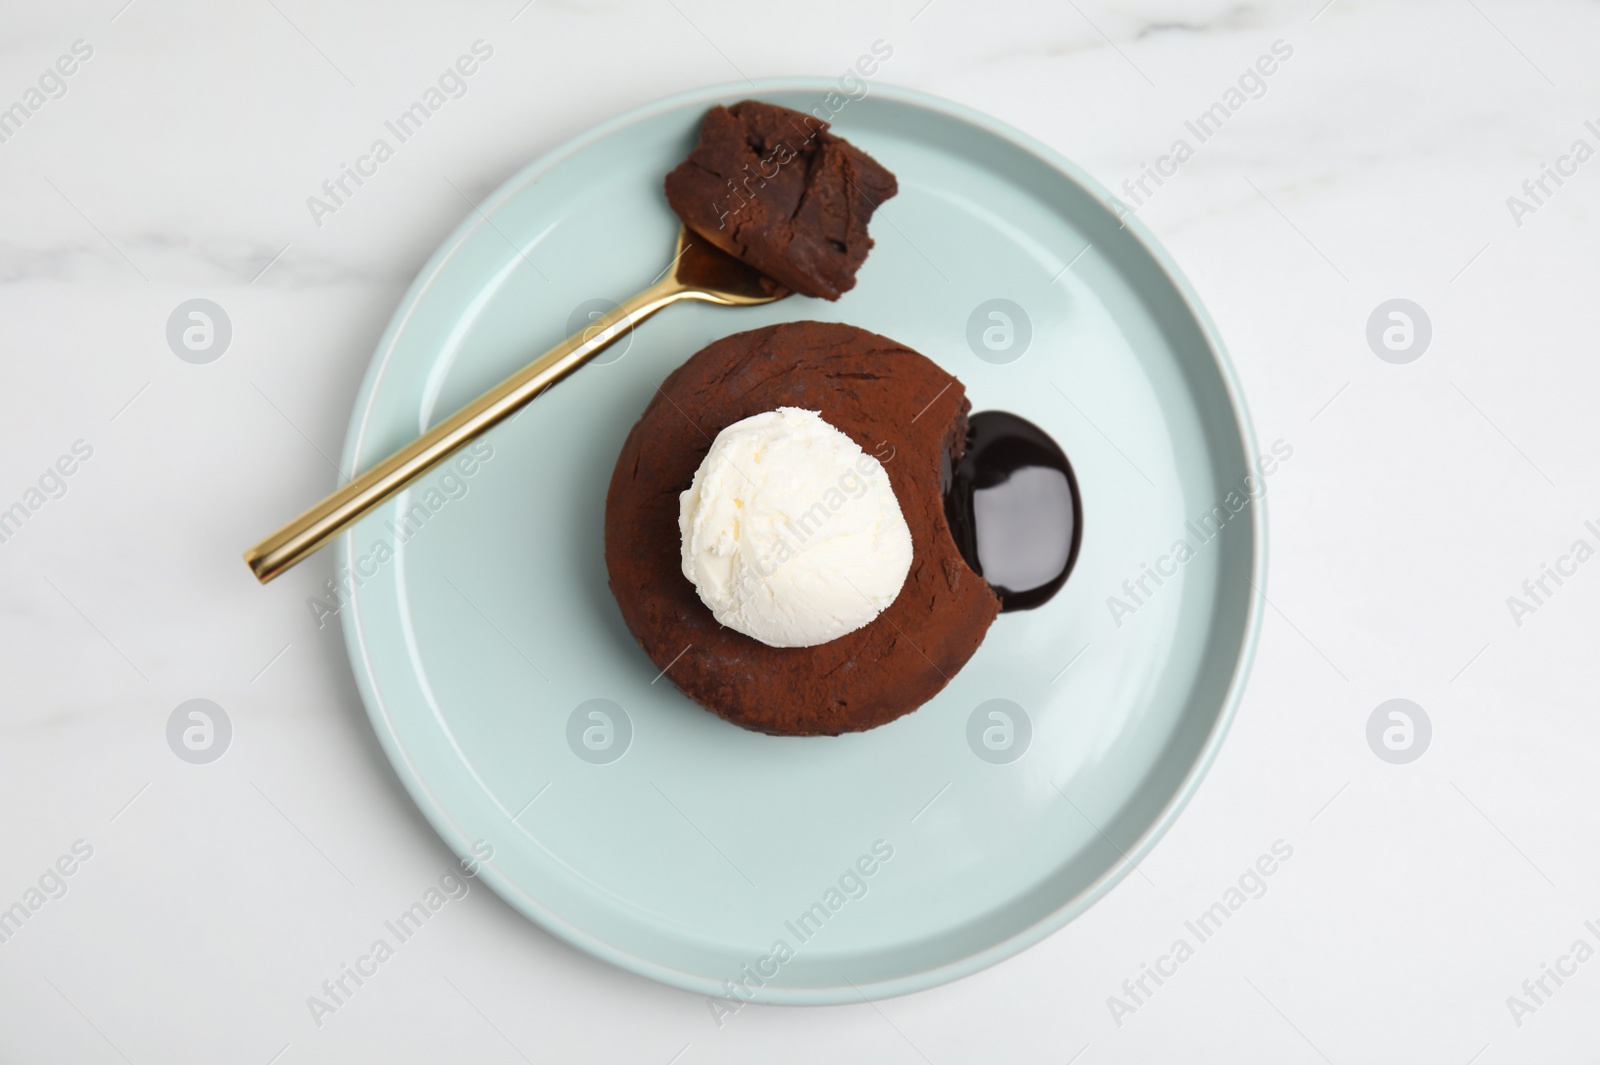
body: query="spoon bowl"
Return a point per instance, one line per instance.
(708, 273)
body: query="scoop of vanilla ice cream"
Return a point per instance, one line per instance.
(791, 533)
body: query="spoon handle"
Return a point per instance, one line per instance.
(372, 488)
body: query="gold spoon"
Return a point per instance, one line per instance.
(699, 271)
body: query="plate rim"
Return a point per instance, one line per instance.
(574, 935)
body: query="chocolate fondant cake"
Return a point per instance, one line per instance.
(774, 188)
(895, 404)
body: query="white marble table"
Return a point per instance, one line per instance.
(1375, 163)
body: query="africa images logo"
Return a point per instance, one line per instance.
(430, 496)
(851, 885)
(451, 85)
(1138, 591)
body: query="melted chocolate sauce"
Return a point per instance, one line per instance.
(1013, 507)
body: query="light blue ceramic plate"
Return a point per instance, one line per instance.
(704, 853)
